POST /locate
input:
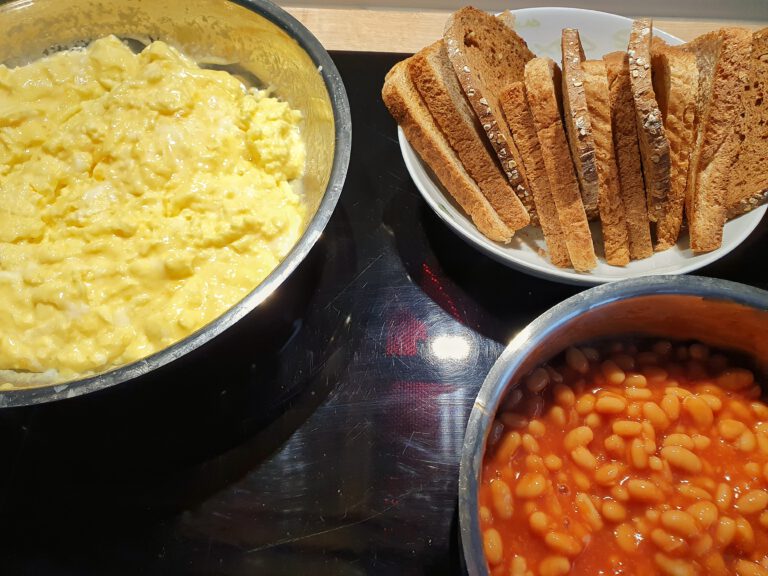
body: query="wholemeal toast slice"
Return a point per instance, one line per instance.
(577, 121)
(749, 178)
(627, 150)
(722, 58)
(675, 83)
(543, 85)
(611, 207)
(514, 105)
(487, 55)
(654, 146)
(409, 111)
(432, 74)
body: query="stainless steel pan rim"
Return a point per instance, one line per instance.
(527, 341)
(343, 146)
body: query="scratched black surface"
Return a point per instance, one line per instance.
(319, 436)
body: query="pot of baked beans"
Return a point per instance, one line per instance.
(624, 431)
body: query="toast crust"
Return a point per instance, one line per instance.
(627, 150)
(409, 111)
(542, 84)
(654, 146)
(577, 121)
(514, 105)
(432, 74)
(469, 36)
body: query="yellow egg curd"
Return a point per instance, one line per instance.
(140, 197)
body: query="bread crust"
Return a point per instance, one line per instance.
(675, 83)
(654, 146)
(432, 74)
(542, 84)
(610, 204)
(514, 105)
(578, 125)
(473, 38)
(409, 111)
(627, 151)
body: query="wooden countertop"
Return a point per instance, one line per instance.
(408, 32)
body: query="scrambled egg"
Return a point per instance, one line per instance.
(140, 197)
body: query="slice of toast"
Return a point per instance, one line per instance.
(749, 178)
(627, 150)
(543, 85)
(488, 55)
(675, 83)
(611, 207)
(432, 74)
(654, 146)
(722, 58)
(409, 111)
(514, 105)
(577, 121)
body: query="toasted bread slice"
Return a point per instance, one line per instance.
(722, 58)
(627, 150)
(409, 111)
(432, 74)
(654, 146)
(488, 55)
(749, 179)
(543, 85)
(577, 121)
(675, 83)
(514, 105)
(611, 207)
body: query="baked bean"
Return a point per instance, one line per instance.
(612, 373)
(554, 375)
(624, 361)
(678, 440)
(502, 499)
(615, 445)
(585, 404)
(671, 406)
(747, 568)
(668, 542)
(699, 411)
(537, 380)
(736, 379)
(747, 442)
(564, 395)
(493, 546)
(626, 538)
(745, 535)
(553, 463)
(554, 566)
(530, 444)
(701, 442)
(681, 458)
(655, 415)
(513, 420)
(562, 543)
(609, 474)
(584, 458)
(486, 515)
(530, 486)
(539, 522)
(723, 496)
(693, 492)
(509, 445)
(610, 405)
(593, 420)
(614, 511)
(679, 522)
(537, 428)
(702, 545)
(519, 566)
(587, 509)
(576, 360)
(725, 531)
(655, 374)
(558, 415)
(644, 491)
(627, 428)
(704, 512)
(638, 393)
(673, 566)
(635, 381)
(730, 429)
(638, 457)
(752, 502)
(580, 436)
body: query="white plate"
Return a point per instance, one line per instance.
(600, 33)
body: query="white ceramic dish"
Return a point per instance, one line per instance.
(600, 33)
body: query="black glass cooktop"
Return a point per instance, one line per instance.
(322, 434)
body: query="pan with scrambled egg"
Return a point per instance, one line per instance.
(140, 197)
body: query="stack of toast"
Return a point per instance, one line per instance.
(646, 141)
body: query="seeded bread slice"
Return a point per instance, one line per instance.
(488, 55)
(654, 146)
(409, 111)
(514, 104)
(432, 74)
(611, 207)
(577, 121)
(627, 150)
(543, 85)
(675, 83)
(722, 58)
(749, 179)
